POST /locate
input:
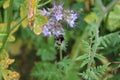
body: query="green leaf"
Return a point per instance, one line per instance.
(40, 21)
(46, 71)
(23, 13)
(17, 4)
(114, 19)
(1, 2)
(2, 34)
(11, 38)
(47, 54)
(82, 57)
(68, 68)
(85, 62)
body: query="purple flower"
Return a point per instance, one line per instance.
(56, 15)
(45, 12)
(58, 29)
(70, 17)
(57, 12)
(71, 23)
(52, 28)
(73, 16)
(46, 31)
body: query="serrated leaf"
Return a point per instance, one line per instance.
(86, 61)
(47, 54)
(82, 57)
(5, 63)
(46, 71)
(10, 75)
(103, 59)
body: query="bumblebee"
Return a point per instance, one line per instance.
(59, 39)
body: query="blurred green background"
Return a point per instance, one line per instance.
(36, 56)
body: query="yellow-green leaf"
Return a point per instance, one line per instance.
(15, 48)
(11, 38)
(6, 4)
(1, 44)
(90, 18)
(37, 29)
(114, 19)
(12, 25)
(41, 20)
(3, 27)
(23, 13)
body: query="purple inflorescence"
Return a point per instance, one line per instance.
(57, 15)
(71, 19)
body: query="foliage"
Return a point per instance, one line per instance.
(95, 73)
(62, 70)
(89, 51)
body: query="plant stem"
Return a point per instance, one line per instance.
(9, 19)
(44, 3)
(60, 53)
(105, 10)
(75, 49)
(18, 23)
(109, 7)
(0, 16)
(94, 48)
(100, 4)
(7, 35)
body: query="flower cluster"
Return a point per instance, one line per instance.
(56, 16)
